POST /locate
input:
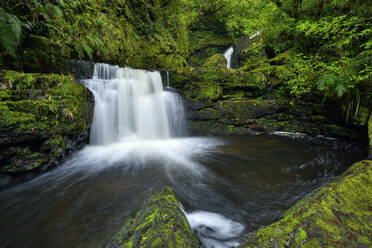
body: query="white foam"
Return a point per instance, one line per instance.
(214, 230)
(228, 55)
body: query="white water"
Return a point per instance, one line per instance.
(228, 55)
(229, 52)
(131, 104)
(214, 230)
(136, 123)
(256, 34)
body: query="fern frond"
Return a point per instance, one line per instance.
(10, 31)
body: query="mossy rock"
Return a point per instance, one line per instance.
(159, 223)
(337, 215)
(370, 134)
(240, 111)
(182, 78)
(216, 61)
(42, 117)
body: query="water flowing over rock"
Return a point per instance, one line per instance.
(214, 230)
(228, 54)
(132, 104)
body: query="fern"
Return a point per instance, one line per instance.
(10, 31)
(87, 49)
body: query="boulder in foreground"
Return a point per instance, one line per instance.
(159, 223)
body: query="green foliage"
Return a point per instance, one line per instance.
(10, 31)
(301, 75)
(120, 32)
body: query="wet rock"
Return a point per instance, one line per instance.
(159, 223)
(80, 69)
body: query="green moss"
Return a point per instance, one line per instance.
(216, 61)
(47, 109)
(337, 215)
(187, 78)
(159, 223)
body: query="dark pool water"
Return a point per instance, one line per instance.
(250, 180)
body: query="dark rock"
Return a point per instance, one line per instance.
(80, 69)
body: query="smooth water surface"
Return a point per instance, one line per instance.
(245, 182)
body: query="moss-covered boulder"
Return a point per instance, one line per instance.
(41, 118)
(337, 215)
(159, 223)
(217, 61)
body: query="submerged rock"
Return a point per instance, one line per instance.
(42, 117)
(337, 215)
(159, 223)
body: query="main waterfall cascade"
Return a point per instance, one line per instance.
(130, 104)
(136, 121)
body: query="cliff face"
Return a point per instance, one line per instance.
(42, 117)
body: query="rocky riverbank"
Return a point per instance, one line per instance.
(42, 118)
(234, 102)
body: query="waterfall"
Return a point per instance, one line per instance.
(130, 104)
(228, 55)
(256, 34)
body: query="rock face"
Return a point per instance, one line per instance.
(42, 117)
(234, 102)
(159, 223)
(337, 215)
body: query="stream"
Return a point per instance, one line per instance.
(228, 186)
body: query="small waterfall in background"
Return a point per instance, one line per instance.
(256, 34)
(130, 104)
(229, 52)
(228, 55)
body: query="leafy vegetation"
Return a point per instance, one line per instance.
(314, 47)
(133, 33)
